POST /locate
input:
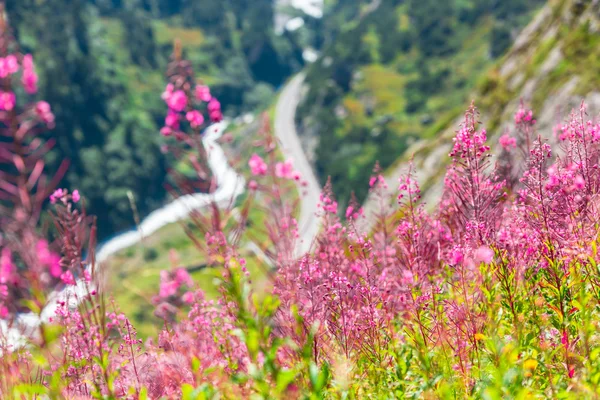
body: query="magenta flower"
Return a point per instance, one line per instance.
(57, 195)
(75, 196)
(203, 93)
(177, 101)
(195, 118)
(68, 278)
(257, 165)
(284, 170)
(166, 95)
(172, 120)
(507, 142)
(29, 77)
(43, 111)
(7, 267)
(166, 131)
(7, 101)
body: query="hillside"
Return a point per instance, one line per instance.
(398, 72)
(552, 66)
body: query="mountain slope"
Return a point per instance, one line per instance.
(395, 74)
(553, 65)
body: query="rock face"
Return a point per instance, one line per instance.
(553, 66)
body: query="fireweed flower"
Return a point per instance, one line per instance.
(202, 93)
(257, 165)
(29, 78)
(195, 118)
(7, 101)
(508, 142)
(177, 101)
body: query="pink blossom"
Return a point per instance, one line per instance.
(7, 101)
(166, 95)
(203, 93)
(3, 311)
(7, 268)
(43, 111)
(68, 278)
(257, 165)
(166, 131)
(172, 120)
(48, 258)
(168, 289)
(284, 169)
(29, 77)
(188, 297)
(214, 105)
(579, 182)
(507, 142)
(483, 255)
(75, 196)
(456, 257)
(177, 101)
(252, 185)
(183, 277)
(57, 195)
(216, 116)
(195, 118)
(8, 65)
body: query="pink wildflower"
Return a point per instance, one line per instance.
(203, 93)
(284, 170)
(68, 278)
(257, 165)
(177, 101)
(172, 120)
(507, 142)
(195, 118)
(75, 196)
(483, 255)
(7, 101)
(29, 77)
(6, 265)
(43, 111)
(57, 195)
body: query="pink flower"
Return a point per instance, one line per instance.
(203, 93)
(57, 195)
(7, 101)
(68, 278)
(172, 120)
(75, 196)
(168, 289)
(349, 211)
(253, 185)
(483, 255)
(8, 65)
(43, 111)
(216, 116)
(188, 297)
(48, 258)
(507, 142)
(166, 131)
(183, 277)
(284, 170)
(177, 101)
(214, 105)
(3, 311)
(7, 267)
(579, 182)
(166, 95)
(257, 165)
(456, 257)
(195, 118)
(29, 77)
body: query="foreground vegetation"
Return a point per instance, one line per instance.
(495, 295)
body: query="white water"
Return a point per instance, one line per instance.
(229, 185)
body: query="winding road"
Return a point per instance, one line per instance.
(309, 188)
